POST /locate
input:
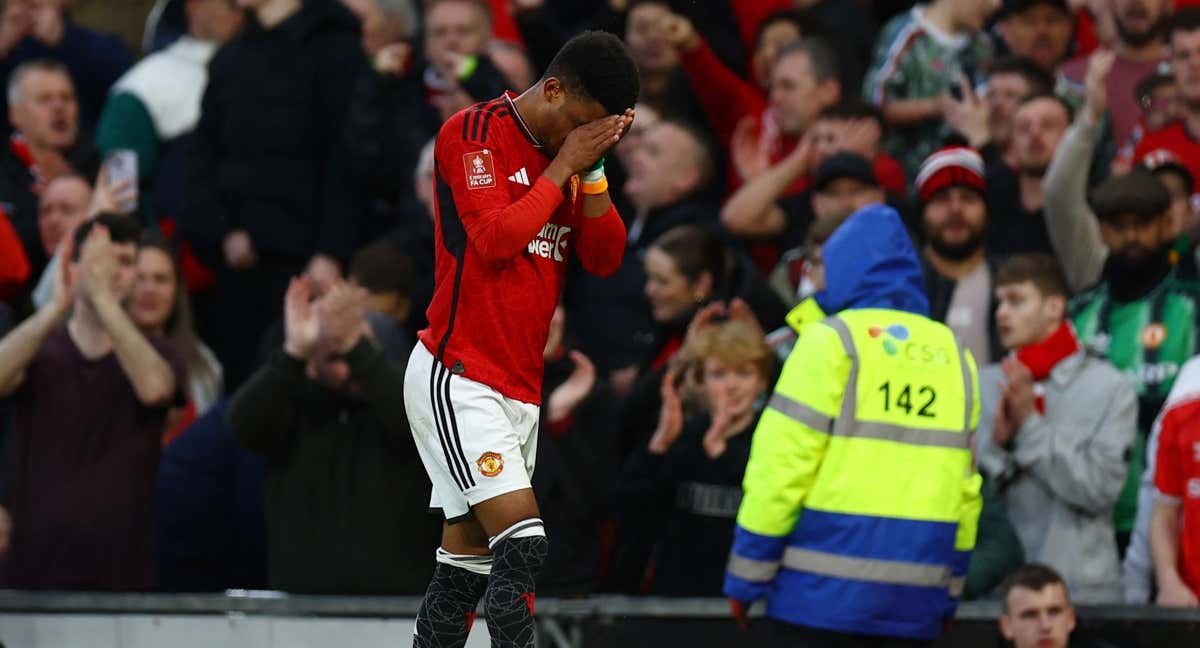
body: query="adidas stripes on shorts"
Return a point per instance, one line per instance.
(476, 444)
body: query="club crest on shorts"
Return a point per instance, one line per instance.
(490, 464)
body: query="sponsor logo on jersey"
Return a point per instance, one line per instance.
(520, 177)
(1153, 336)
(479, 169)
(551, 242)
(490, 464)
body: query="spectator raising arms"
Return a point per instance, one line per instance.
(90, 396)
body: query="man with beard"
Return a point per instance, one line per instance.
(1015, 195)
(1141, 315)
(958, 279)
(1039, 30)
(1141, 44)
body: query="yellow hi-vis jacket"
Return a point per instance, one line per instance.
(861, 498)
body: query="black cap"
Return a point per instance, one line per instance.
(844, 165)
(1137, 192)
(1012, 7)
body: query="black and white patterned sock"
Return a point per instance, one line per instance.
(448, 609)
(518, 555)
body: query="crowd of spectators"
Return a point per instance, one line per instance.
(214, 262)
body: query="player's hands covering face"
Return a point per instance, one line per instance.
(587, 143)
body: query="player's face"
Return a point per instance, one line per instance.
(566, 113)
(1024, 316)
(1038, 619)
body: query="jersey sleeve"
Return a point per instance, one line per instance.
(1168, 479)
(472, 187)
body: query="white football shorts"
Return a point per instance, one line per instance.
(476, 444)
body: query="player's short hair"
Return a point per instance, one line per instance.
(597, 65)
(1052, 97)
(25, 69)
(1038, 268)
(1183, 20)
(821, 57)
(1035, 577)
(695, 251)
(121, 229)
(1039, 81)
(382, 267)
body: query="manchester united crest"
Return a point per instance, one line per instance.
(490, 464)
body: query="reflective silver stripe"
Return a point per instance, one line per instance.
(850, 396)
(893, 572)
(755, 571)
(957, 585)
(968, 390)
(798, 411)
(910, 436)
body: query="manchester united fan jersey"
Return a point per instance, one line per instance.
(504, 235)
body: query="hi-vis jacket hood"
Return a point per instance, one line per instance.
(870, 262)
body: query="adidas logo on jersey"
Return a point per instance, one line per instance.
(551, 242)
(520, 177)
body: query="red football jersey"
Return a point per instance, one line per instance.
(1177, 475)
(504, 234)
(1175, 138)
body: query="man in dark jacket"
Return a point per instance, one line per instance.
(263, 198)
(344, 495)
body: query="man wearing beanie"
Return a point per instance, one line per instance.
(1141, 315)
(950, 191)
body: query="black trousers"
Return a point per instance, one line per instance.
(786, 635)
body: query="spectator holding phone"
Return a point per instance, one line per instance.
(156, 104)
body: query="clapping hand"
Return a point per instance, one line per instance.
(342, 314)
(300, 325)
